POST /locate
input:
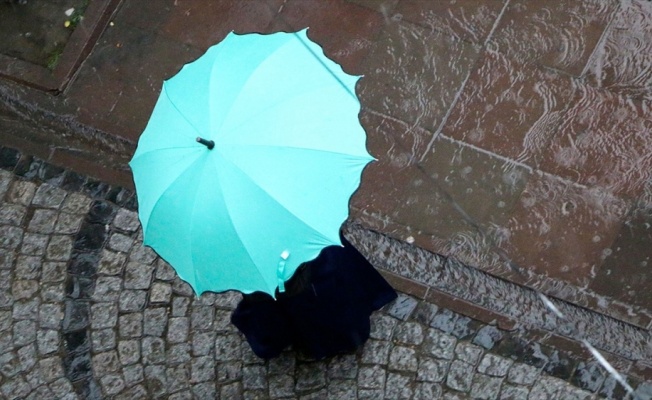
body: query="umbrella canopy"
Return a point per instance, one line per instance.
(247, 164)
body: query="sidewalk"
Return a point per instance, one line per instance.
(513, 145)
(87, 312)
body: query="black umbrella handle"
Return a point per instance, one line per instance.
(208, 143)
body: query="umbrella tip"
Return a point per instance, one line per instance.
(208, 143)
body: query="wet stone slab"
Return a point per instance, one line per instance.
(509, 108)
(623, 62)
(421, 70)
(555, 33)
(467, 19)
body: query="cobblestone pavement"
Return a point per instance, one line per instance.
(87, 312)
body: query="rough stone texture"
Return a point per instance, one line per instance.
(87, 318)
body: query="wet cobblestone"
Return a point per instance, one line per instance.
(87, 312)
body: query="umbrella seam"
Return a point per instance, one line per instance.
(312, 228)
(235, 228)
(158, 201)
(179, 111)
(296, 34)
(368, 157)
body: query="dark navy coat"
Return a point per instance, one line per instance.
(323, 312)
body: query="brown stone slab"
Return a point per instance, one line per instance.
(562, 231)
(603, 141)
(202, 24)
(121, 81)
(625, 273)
(485, 188)
(642, 370)
(509, 108)
(405, 285)
(384, 6)
(394, 140)
(116, 175)
(414, 75)
(345, 31)
(458, 305)
(623, 62)
(469, 20)
(77, 48)
(554, 33)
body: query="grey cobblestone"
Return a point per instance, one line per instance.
(28, 267)
(342, 390)
(522, 374)
(34, 244)
(137, 275)
(104, 315)
(161, 292)
(164, 271)
(59, 248)
(382, 326)
(144, 334)
(47, 341)
(460, 376)
(10, 237)
(129, 351)
(432, 370)
(107, 288)
(398, 387)
(103, 340)
(371, 377)
(427, 391)
(494, 365)
(403, 359)
(126, 220)
(512, 392)
(68, 223)
(202, 369)
(120, 242)
(43, 221)
(21, 192)
(132, 300)
(410, 333)
(48, 196)
(485, 387)
(343, 367)
(178, 328)
(203, 343)
(12, 214)
(179, 353)
(155, 321)
(131, 325)
(133, 374)
(468, 352)
(76, 203)
(178, 377)
(254, 377)
(53, 272)
(440, 344)
(376, 352)
(402, 307)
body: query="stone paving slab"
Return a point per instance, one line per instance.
(497, 124)
(87, 312)
(510, 136)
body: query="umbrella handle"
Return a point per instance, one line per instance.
(280, 271)
(208, 143)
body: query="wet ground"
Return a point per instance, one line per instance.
(87, 312)
(37, 31)
(512, 136)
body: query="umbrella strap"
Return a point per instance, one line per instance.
(280, 271)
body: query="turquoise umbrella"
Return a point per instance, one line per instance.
(247, 164)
